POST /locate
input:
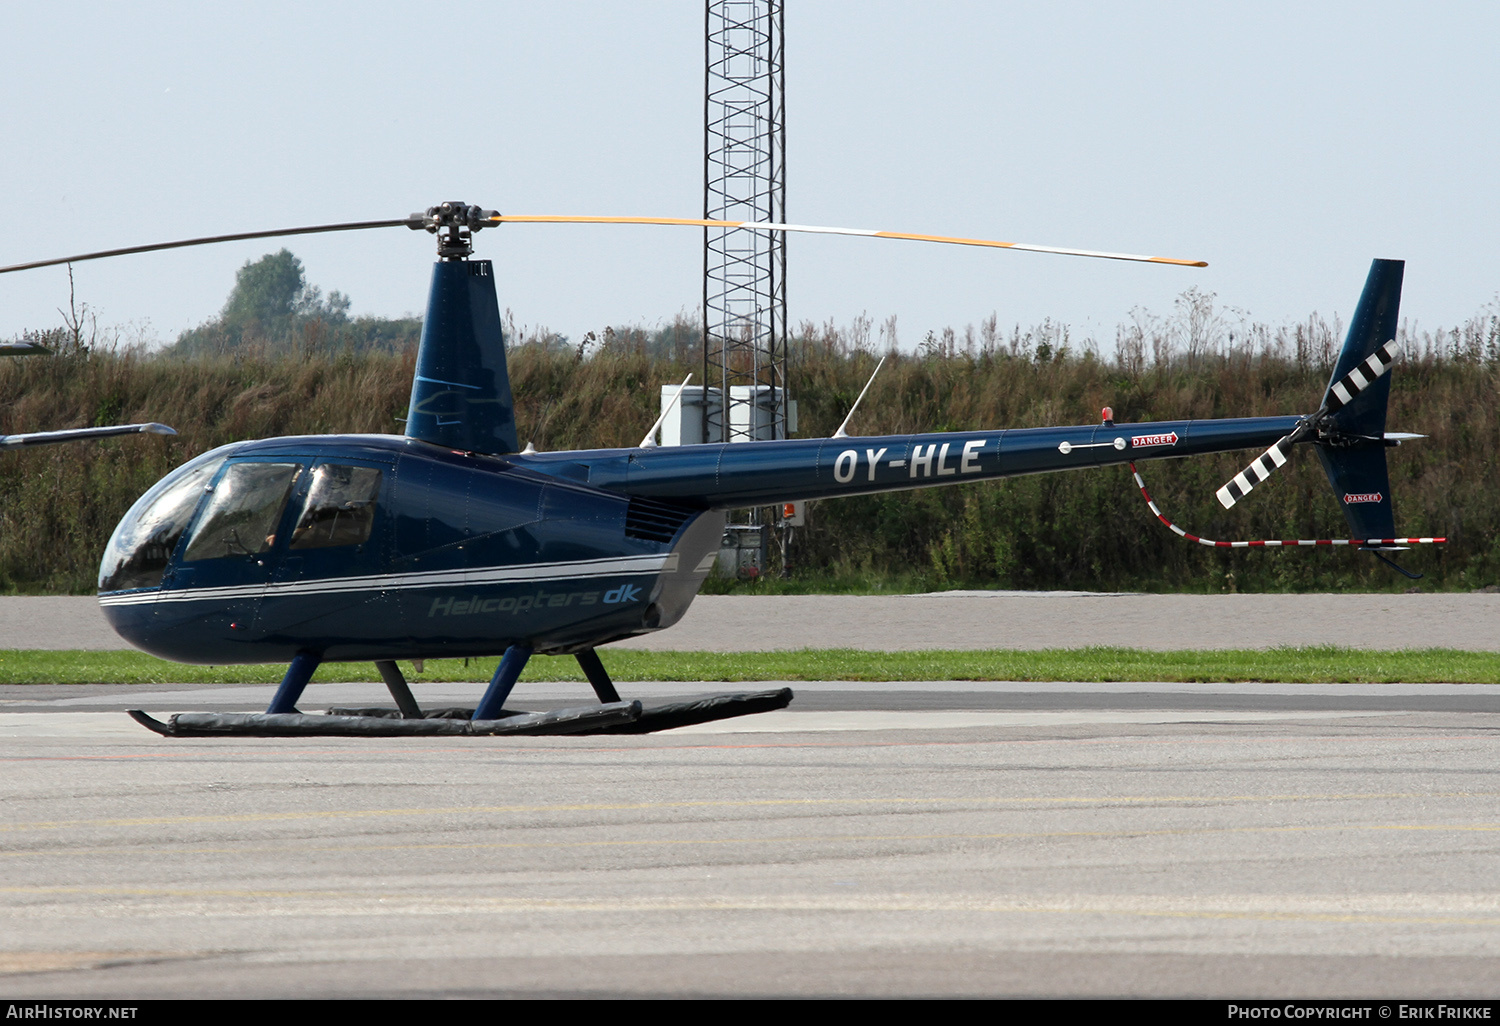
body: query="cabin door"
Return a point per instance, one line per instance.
(328, 567)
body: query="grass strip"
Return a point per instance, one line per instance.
(1319, 665)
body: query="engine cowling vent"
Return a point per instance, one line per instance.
(656, 520)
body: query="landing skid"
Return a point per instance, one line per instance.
(608, 718)
(490, 719)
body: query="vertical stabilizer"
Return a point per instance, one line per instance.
(460, 396)
(1374, 324)
(1362, 486)
(1351, 443)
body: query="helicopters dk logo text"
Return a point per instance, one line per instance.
(516, 605)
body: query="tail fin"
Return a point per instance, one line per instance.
(460, 397)
(1374, 324)
(1362, 486)
(1351, 438)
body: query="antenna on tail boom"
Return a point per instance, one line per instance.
(649, 442)
(841, 432)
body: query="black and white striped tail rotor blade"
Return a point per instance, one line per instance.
(1259, 469)
(1342, 392)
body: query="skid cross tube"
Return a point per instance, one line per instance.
(506, 674)
(395, 683)
(598, 676)
(297, 675)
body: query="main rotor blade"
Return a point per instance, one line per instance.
(770, 226)
(773, 226)
(276, 233)
(74, 434)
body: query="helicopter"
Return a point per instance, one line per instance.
(451, 541)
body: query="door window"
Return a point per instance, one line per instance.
(340, 507)
(242, 516)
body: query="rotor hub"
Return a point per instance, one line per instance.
(454, 223)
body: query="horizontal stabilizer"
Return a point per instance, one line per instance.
(22, 349)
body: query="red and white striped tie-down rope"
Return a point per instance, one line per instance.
(1271, 543)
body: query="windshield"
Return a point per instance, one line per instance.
(143, 542)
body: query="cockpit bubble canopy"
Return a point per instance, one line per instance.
(143, 543)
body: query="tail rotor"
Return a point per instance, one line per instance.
(1348, 429)
(1260, 468)
(1341, 393)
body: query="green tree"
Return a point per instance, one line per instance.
(266, 295)
(271, 302)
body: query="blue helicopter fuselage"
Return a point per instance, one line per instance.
(370, 547)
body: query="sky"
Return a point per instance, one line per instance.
(1285, 143)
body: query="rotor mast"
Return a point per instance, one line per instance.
(454, 223)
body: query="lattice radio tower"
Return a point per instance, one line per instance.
(744, 179)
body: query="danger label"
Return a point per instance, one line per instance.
(1350, 498)
(1138, 441)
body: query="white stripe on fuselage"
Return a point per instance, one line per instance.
(622, 566)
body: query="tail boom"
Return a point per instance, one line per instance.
(764, 473)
